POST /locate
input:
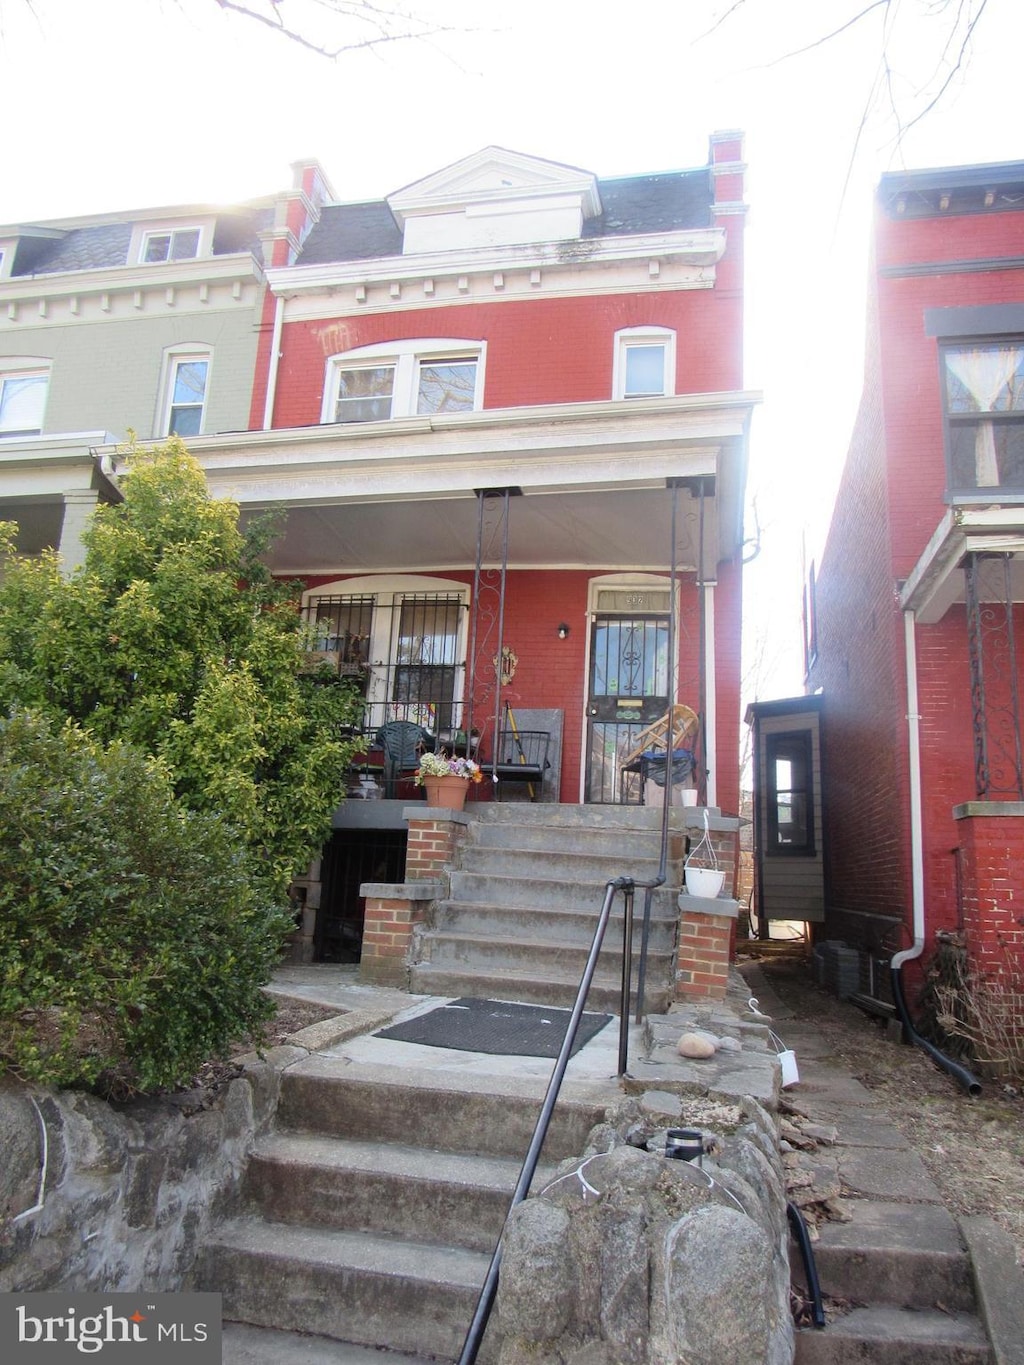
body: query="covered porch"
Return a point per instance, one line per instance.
(578, 559)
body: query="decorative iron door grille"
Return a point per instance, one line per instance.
(628, 690)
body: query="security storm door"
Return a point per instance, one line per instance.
(628, 690)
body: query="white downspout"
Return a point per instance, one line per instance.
(916, 838)
(275, 355)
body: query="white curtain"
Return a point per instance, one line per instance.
(989, 382)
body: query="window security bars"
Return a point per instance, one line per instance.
(403, 650)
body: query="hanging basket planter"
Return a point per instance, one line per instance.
(704, 881)
(703, 875)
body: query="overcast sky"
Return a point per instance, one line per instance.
(110, 104)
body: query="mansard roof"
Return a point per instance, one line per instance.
(630, 205)
(103, 243)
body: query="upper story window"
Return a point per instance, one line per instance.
(404, 379)
(984, 400)
(23, 401)
(186, 384)
(645, 362)
(172, 244)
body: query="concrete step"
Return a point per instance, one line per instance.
(538, 893)
(484, 952)
(457, 1199)
(901, 1255)
(242, 1344)
(552, 925)
(575, 816)
(559, 865)
(896, 1336)
(642, 843)
(355, 1287)
(382, 1107)
(534, 988)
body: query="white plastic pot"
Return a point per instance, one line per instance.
(704, 881)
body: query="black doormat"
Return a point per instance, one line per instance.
(495, 1026)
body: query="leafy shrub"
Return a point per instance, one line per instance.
(174, 638)
(134, 933)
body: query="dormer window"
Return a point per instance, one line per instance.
(404, 379)
(177, 244)
(182, 245)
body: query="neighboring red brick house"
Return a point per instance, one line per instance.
(915, 612)
(483, 403)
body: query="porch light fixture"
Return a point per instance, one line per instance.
(563, 631)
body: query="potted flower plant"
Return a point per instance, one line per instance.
(446, 779)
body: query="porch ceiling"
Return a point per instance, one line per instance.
(937, 582)
(401, 495)
(626, 529)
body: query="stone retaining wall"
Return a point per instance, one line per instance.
(96, 1196)
(629, 1258)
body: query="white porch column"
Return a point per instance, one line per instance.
(710, 692)
(79, 507)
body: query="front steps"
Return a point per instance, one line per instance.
(525, 898)
(907, 1273)
(370, 1215)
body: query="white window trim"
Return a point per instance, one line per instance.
(142, 232)
(406, 356)
(173, 357)
(25, 367)
(644, 336)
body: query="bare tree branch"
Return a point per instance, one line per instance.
(828, 37)
(961, 57)
(389, 24)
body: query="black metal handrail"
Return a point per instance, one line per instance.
(626, 885)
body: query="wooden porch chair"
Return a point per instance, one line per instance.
(685, 724)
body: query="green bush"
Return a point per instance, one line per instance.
(135, 934)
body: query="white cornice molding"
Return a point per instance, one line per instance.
(241, 265)
(554, 447)
(699, 246)
(69, 298)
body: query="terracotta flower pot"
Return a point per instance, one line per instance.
(446, 791)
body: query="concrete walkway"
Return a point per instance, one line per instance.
(871, 1160)
(902, 1215)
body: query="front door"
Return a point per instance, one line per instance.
(628, 690)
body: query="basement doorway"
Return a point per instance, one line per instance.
(351, 857)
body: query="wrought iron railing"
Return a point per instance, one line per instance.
(627, 886)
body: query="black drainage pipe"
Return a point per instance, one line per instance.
(959, 1073)
(796, 1222)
